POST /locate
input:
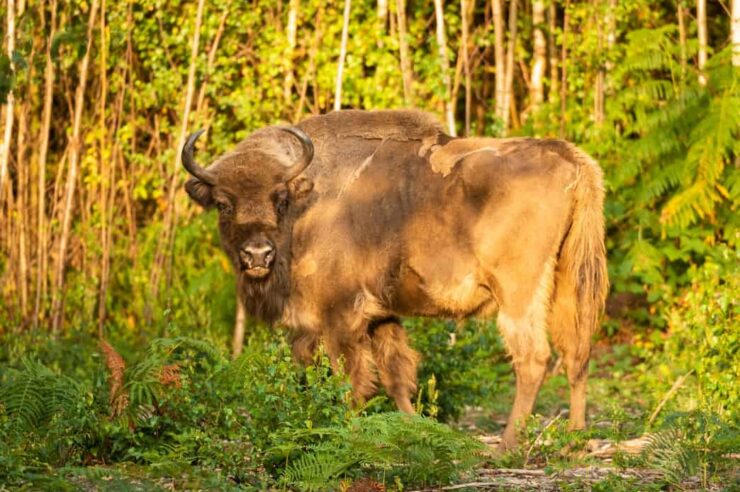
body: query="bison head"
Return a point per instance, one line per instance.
(252, 187)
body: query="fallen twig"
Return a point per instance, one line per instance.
(676, 386)
(539, 436)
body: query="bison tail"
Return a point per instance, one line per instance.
(582, 262)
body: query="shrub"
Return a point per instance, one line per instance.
(704, 335)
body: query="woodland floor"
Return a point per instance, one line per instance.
(604, 458)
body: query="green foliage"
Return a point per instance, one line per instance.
(668, 151)
(704, 333)
(388, 447)
(693, 443)
(243, 419)
(466, 360)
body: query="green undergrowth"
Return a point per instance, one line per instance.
(177, 412)
(182, 412)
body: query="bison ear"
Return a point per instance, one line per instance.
(200, 192)
(300, 187)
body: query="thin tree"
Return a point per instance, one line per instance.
(564, 68)
(23, 215)
(600, 73)
(736, 33)
(464, 13)
(701, 24)
(509, 83)
(537, 86)
(342, 56)
(201, 105)
(42, 240)
(553, 93)
(403, 44)
(682, 37)
(444, 63)
(107, 166)
(163, 247)
(499, 55)
(237, 342)
(75, 148)
(382, 11)
(290, 34)
(9, 104)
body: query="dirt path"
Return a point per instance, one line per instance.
(576, 478)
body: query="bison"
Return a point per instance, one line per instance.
(340, 225)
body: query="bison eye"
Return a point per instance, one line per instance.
(280, 199)
(223, 207)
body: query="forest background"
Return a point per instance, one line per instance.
(99, 242)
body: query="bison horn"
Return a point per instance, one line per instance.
(189, 161)
(307, 145)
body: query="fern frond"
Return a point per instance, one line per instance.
(34, 395)
(671, 453)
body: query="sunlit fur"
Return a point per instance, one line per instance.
(394, 218)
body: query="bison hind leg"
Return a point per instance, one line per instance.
(573, 343)
(395, 360)
(525, 336)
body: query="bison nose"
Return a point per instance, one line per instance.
(259, 254)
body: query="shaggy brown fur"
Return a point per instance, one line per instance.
(394, 218)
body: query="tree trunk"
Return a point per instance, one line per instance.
(701, 22)
(24, 213)
(403, 44)
(9, 105)
(564, 68)
(553, 94)
(464, 13)
(500, 59)
(237, 343)
(383, 11)
(310, 74)
(106, 182)
(342, 56)
(445, 66)
(291, 38)
(537, 89)
(681, 15)
(75, 145)
(163, 249)
(736, 33)
(201, 105)
(600, 75)
(43, 240)
(510, 62)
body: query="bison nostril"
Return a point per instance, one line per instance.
(257, 255)
(246, 258)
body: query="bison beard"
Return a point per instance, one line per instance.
(403, 220)
(266, 298)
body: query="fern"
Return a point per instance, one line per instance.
(169, 346)
(671, 453)
(34, 395)
(416, 449)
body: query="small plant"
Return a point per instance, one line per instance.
(388, 447)
(460, 365)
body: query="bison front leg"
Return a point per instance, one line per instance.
(351, 352)
(396, 362)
